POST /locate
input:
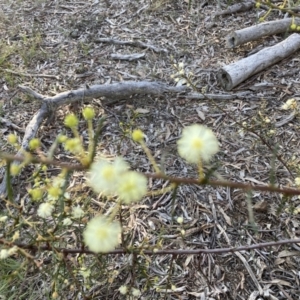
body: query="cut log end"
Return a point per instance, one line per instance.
(225, 80)
(231, 41)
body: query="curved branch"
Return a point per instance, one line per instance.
(112, 92)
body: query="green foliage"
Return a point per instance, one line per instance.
(30, 49)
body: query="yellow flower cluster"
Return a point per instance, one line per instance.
(34, 144)
(12, 139)
(180, 71)
(77, 212)
(198, 143)
(36, 194)
(101, 234)
(45, 210)
(295, 27)
(114, 178)
(134, 292)
(5, 253)
(88, 113)
(290, 104)
(73, 145)
(15, 169)
(3, 218)
(123, 289)
(71, 121)
(111, 179)
(137, 135)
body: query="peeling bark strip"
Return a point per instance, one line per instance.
(233, 74)
(256, 32)
(113, 92)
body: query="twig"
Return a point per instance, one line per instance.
(129, 57)
(273, 6)
(34, 94)
(177, 180)
(220, 97)
(241, 257)
(129, 43)
(156, 252)
(286, 120)
(10, 124)
(30, 75)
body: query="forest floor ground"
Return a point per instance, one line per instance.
(59, 38)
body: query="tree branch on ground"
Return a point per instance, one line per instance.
(113, 93)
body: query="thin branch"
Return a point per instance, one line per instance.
(287, 10)
(28, 90)
(8, 123)
(48, 247)
(177, 180)
(131, 43)
(129, 57)
(30, 75)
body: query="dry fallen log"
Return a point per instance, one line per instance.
(256, 32)
(129, 57)
(233, 74)
(238, 7)
(248, 95)
(112, 93)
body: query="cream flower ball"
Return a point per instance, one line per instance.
(132, 187)
(102, 235)
(104, 176)
(45, 210)
(197, 143)
(77, 212)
